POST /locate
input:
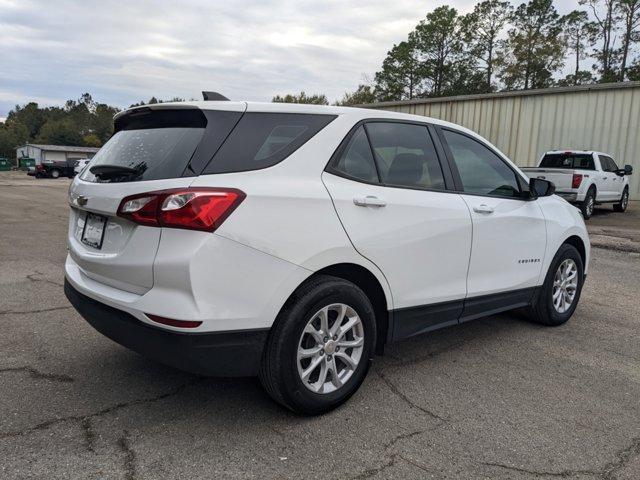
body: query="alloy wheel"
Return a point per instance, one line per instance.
(565, 285)
(330, 348)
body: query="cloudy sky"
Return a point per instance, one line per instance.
(125, 51)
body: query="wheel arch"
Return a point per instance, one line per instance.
(578, 243)
(369, 283)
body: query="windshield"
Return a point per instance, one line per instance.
(582, 161)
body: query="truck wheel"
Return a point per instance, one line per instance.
(621, 206)
(557, 298)
(588, 203)
(55, 173)
(320, 346)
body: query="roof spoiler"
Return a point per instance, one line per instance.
(214, 96)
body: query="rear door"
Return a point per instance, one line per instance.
(509, 232)
(392, 198)
(162, 148)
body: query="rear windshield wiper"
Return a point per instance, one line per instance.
(113, 172)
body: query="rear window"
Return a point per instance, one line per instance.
(261, 140)
(568, 160)
(151, 144)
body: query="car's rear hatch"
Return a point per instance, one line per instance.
(153, 148)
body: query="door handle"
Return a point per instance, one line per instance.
(369, 201)
(483, 208)
(604, 178)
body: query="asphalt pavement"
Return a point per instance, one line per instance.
(494, 398)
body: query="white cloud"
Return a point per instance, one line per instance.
(122, 51)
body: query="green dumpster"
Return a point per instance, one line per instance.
(25, 162)
(5, 164)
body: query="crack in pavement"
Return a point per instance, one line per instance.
(100, 413)
(608, 472)
(23, 312)
(540, 473)
(32, 276)
(407, 400)
(372, 472)
(624, 457)
(34, 373)
(402, 436)
(129, 456)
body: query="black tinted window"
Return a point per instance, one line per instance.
(261, 140)
(482, 172)
(568, 160)
(607, 163)
(357, 159)
(405, 155)
(153, 153)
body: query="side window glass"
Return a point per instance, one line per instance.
(481, 170)
(357, 159)
(604, 163)
(405, 155)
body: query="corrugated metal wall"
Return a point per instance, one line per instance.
(524, 125)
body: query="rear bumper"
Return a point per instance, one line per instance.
(224, 354)
(568, 196)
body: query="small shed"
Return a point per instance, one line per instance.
(53, 153)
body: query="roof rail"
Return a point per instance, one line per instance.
(211, 96)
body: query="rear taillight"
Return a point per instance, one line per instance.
(576, 180)
(190, 208)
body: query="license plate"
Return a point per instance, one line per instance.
(93, 231)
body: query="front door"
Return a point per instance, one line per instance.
(398, 213)
(509, 233)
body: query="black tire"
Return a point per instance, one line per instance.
(621, 206)
(279, 368)
(588, 204)
(55, 173)
(542, 309)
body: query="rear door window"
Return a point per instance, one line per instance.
(261, 140)
(405, 155)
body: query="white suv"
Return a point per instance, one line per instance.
(293, 241)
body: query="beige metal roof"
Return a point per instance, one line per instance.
(62, 148)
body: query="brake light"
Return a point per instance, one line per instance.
(190, 208)
(576, 180)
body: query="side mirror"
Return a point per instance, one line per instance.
(540, 188)
(628, 169)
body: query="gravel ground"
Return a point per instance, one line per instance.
(494, 398)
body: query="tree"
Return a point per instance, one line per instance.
(633, 72)
(29, 115)
(60, 132)
(481, 30)
(362, 95)
(582, 77)
(439, 47)
(630, 12)
(12, 134)
(579, 34)
(316, 99)
(399, 78)
(607, 19)
(534, 49)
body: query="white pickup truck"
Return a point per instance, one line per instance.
(585, 178)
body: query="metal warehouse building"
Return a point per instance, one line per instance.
(53, 153)
(525, 124)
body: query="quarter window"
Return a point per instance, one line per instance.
(405, 155)
(481, 171)
(357, 159)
